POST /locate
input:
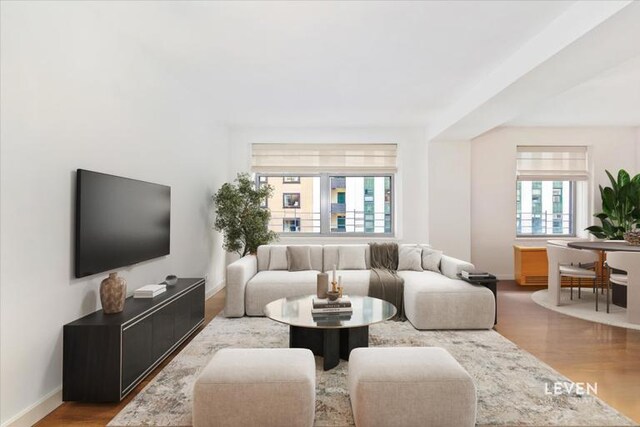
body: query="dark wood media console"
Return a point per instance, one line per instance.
(107, 355)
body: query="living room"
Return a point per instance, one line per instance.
(464, 96)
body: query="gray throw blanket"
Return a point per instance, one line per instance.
(384, 282)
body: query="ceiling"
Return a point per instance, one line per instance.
(610, 99)
(456, 68)
(330, 63)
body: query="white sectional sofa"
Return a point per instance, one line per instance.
(433, 300)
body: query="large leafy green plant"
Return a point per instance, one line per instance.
(241, 217)
(620, 207)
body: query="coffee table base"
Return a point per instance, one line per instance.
(331, 344)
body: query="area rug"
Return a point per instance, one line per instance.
(585, 308)
(512, 385)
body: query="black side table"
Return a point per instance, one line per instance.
(490, 282)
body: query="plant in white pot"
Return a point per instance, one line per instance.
(620, 216)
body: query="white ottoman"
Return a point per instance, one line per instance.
(256, 387)
(410, 386)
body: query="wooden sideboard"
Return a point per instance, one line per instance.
(107, 355)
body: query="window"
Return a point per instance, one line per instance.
(547, 177)
(290, 200)
(356, 199)
(328, 203)
(291, 225)
(541, 211)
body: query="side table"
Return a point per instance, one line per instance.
(490, 282)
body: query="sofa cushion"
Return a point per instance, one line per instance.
(299, 258)
(331, 256)
(278, 258)
(264, 256)
(267, 286)
(410, 258)
(351, 258)
(431, 259)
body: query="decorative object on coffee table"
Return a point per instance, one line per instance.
(333, 295)
(113, 291)
(322, 285)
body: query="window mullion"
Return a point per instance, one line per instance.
(325, 203)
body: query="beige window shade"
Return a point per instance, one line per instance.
(314, 158)
(552, 163)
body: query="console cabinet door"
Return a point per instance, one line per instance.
(163, 330)
(182, 323)
(137, 352)
(197, 305)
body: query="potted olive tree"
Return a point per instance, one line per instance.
(620, 216)
(239, 215)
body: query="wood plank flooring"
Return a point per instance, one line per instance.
(583, 351)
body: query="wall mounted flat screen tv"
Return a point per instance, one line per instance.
(119, 222)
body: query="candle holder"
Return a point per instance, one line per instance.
(334, 286)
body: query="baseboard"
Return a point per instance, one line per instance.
(37, 411)
(217, 288)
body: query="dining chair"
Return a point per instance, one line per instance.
(567, 262)
(629, 262)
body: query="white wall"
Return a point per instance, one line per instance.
(76, 95)
(638, 150)
(493, 160)
(411, 198)
(449, 197)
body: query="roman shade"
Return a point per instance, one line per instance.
(316, 158)
(552, 163)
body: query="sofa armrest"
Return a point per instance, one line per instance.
(451, 267)
(238, 274)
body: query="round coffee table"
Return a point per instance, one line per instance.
(332, 336)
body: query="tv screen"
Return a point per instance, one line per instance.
(119, 222)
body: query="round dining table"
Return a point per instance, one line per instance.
(604, 246)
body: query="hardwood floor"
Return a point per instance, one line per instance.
(582, 351)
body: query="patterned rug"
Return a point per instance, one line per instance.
(511, 383)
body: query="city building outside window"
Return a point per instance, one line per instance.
(290, 200)
(326, 204)
(545, 208)
(291, 225)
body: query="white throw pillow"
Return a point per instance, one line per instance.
(431, 259)
(410, 258)
(278, 258)
(351, 258)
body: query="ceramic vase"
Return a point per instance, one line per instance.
(323, 285)
(113, 291)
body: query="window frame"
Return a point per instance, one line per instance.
(572, 211)
(297, 221)
(284, 206)
(325, 204)
(290, 182)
